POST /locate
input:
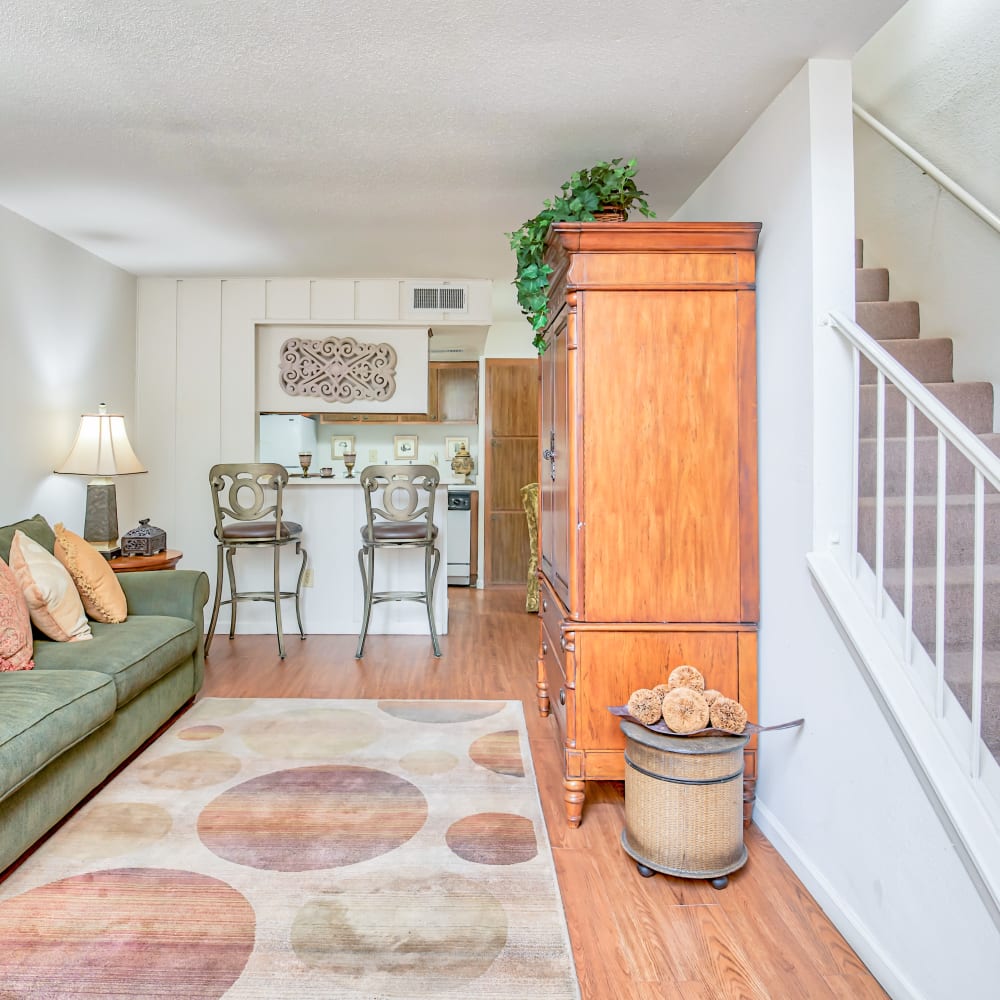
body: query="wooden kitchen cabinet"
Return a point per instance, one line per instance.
(452, 397)
(648, 476)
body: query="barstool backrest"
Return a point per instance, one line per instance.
(402, 494)
(248, 491)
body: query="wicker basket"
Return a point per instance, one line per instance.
(684, 803)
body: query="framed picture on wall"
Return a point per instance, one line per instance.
(453, 445)
(342, 444)
(404, 447)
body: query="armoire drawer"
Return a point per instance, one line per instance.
(555, 678)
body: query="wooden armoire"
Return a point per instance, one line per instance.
(648, 477)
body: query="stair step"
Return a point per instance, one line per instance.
(970, 402)
(958, 604)
(889, 320)
(859, 253)
(958, 469)
(959, 530)
(929, 360)
(871, 284)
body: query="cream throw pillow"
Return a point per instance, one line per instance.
(51, 595)
(98, 587)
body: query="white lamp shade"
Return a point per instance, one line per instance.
(101, 448)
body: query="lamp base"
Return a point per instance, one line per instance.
(100, 526)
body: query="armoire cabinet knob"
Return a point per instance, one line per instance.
(562, 696)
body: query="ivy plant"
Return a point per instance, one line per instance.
(606, 185)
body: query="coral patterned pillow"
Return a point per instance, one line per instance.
(15, 624)
(49, 591)
(98, 587)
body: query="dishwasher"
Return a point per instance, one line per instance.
(459, 540)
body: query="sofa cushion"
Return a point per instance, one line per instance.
(44, 713)
(15, 624)
(135, 653)
(99, 589)
(36, 528)
(49, 590)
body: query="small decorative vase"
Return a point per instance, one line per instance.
(461, 464)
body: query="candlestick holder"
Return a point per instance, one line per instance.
(349, 460)
(305, 460)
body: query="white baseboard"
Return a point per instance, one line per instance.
(840, 912)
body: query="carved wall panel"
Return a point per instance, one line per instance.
(337, 369)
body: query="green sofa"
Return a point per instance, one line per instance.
(88, 706)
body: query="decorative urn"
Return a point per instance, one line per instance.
(461, 464)
(146, 540)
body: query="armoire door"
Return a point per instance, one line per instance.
(554, 471)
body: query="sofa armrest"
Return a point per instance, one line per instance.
(180, 593)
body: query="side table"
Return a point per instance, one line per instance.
(684, 804)
(167, 559)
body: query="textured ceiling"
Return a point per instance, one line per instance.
(368, 138)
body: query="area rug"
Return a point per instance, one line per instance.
(272, 848)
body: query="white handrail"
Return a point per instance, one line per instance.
(922, 398)
(935, 173)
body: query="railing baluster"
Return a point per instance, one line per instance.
(975, 749)
(880, 495)
(855, 461)
(942, 529)
(908, 541)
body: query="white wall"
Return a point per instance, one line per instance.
(837, 798)
(196, 376)
(67, 343)
(932, 74)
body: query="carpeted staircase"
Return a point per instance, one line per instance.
(896, 325)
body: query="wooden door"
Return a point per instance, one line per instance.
(511, 462)
(554, 469)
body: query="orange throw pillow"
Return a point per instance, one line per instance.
(15, 624)
(49, 591)
(99, 589)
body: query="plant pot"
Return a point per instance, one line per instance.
(608, 213)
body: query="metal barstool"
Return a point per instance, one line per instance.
(241, 494)
(399, 518)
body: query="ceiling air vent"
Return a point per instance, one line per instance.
(440, 298)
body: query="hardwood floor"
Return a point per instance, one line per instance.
(679, 939)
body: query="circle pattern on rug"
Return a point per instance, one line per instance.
(402, 937)
(311, 733)
(500, 752)
(428, 762)
(106, 829)
(200, 733)
(308, 818)
(493, 839)
(136, 932)
(190, 769)
(441, 711)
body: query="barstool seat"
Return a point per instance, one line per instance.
(399, 513)
(247, 500)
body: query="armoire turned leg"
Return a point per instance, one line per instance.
(574, 800)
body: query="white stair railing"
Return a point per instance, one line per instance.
(985, 470)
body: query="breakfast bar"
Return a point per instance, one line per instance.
(332, 512)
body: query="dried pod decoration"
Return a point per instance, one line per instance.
(686, 705)
(684, 710)
(646, 706)
(686, 676)
(728, 715)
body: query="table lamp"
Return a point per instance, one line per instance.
(101, 450)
